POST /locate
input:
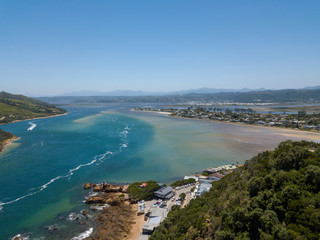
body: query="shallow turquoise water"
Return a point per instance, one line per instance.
(42, 173)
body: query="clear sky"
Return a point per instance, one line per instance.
(57, 46)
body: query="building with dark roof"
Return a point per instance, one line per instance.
(164, 193)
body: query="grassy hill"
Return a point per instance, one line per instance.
(19, 107)
(276, 195)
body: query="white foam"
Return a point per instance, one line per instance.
(20, 237)
(97, 158)
(83, 235)
(124, 145)
(69, 174)
(33, 125)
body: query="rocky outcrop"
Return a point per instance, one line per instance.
(105, 187)
(87, 186)
(96, 200)
(113, 223)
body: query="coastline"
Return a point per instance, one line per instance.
(28, 119)
(290, 132)
(7, 142)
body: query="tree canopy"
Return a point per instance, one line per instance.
(274, 196)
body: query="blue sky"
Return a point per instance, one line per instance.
(58, 46)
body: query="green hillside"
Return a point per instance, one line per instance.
(296, 96)
(274, 196)
(19, 107)
(4, 136)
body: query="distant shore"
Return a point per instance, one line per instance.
(288, 132)
(315, 136)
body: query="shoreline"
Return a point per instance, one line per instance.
(28, 119)
(289, 132)
(313, 135)
(7, 142)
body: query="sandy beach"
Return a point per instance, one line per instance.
(286, 132)
(7, 142)
(136, 227)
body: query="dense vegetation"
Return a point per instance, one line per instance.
(274, 196)
(138, 193)
(182, 182)
(3, 137)
(270, 96)
(19, 107)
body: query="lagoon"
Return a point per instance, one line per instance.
(42, 173)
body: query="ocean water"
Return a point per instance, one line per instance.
(42, 173)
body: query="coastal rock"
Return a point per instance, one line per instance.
(85, 212)
(97, 187)
(52, 228)
(113, 223)
(20, 237)
(112, 188)
(114, 201)
(73, 216)
(96, 199)
(87, 186)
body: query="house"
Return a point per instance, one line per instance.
(164, 193)
(203, 186)
(156, 216)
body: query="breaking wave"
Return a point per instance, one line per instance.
(98, 158)
(83, 235)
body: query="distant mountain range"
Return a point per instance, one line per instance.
(130, 93)
(268, 96)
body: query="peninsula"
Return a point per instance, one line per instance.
(15, 108)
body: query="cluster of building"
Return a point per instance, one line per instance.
(156, 213)
(301, 120)
(158, 210)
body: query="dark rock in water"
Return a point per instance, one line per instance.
(96, 199)
(98, 188)
(73, 216)
(52, 228)
(20, 237)
(85, 212)
(87, 186)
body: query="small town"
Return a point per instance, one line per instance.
(151, 201)
(300, 120)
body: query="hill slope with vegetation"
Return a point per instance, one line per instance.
(19, 107)
(274, 196)
(4, 138)
(270, 96)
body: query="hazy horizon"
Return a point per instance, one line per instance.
(51, 48)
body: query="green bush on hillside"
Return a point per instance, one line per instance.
(276, 195)
(138, 193)
(182, 182)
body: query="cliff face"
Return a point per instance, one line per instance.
(276, 195)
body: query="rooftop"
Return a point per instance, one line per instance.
(164, 191)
